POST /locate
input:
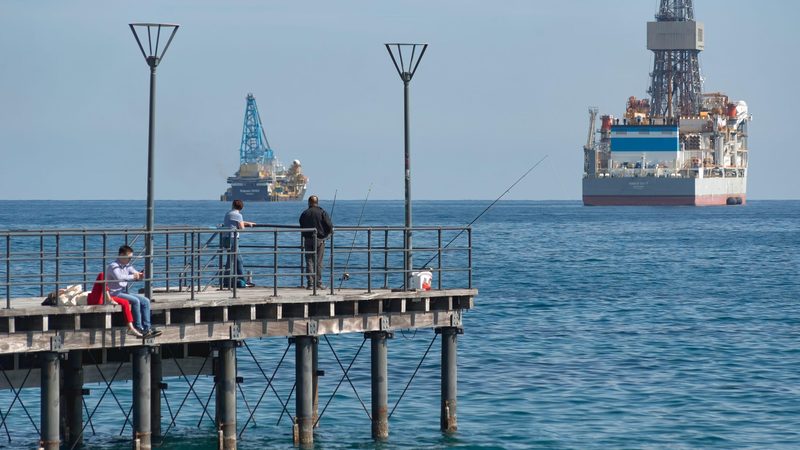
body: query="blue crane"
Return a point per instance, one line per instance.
(255, 146)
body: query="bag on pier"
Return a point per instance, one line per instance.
(71, 295)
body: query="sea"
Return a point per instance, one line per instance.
(594, 327)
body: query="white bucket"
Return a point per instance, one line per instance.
(421, 280)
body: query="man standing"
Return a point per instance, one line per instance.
(234, 221)
(316, 218)
(118, 274)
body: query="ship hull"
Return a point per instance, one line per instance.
(258, 192)
(652, 191)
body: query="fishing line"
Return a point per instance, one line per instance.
(345, 275)
(488, 207)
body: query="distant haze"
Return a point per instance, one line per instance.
(502, 84)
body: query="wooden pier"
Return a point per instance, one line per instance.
(42, 345)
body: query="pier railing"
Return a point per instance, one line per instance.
(34, 263)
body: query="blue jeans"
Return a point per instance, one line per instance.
(140, 309)
(229, 245)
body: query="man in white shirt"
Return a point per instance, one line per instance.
(118, 274)
(234, 221)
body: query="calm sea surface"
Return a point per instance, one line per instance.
(632, 327)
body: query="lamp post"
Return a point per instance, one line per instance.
(406, 58)
(153, 56)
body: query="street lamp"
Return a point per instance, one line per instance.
(406, 58)
(152, 56)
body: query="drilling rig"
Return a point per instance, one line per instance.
(679, 147)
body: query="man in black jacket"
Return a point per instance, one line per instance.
(315, 217)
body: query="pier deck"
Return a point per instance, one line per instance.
(214, 315)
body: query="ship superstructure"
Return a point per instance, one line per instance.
(261, 176)
(680, 147)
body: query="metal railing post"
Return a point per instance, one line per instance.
(469, 262)
(41, 263)
(331, 257)
(386, 259)
(85, 268)
(166, 257)
(233, 280)
(8, 271)
(275, 263)
(58, 262)
(183, 275)
(191, 268)
(315, 278)
(439, 255)
(369, 259)
(220, 254)
(105, 250)
(302, 260)
(199, 261)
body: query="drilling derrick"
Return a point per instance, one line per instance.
(255, 148)
(676, 40)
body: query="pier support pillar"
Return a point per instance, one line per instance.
(305, 389)
(50, 408)
(142, 359)
(226, 394)
(380, 384)
(156, 373)
(73, 399)
(315, 380)
(449, 423)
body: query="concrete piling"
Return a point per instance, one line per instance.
(156, 373)
(380, 385)
(226, 394)
(141, 397)
(50, 407)
(448, 422)
(305, 389)
(73, 399)
(315, 380)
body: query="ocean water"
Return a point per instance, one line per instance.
(629, 327)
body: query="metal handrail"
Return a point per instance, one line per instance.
(33, 262)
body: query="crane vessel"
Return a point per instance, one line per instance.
(261, 176)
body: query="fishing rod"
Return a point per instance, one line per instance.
(333, 207)
(488, 207)
(345, 275)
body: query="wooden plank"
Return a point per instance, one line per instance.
(278, 328)
(400, 321)
(350, 324)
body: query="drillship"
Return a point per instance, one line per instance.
(261, 177)
(681, 146)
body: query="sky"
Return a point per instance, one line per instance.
(503, 84)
